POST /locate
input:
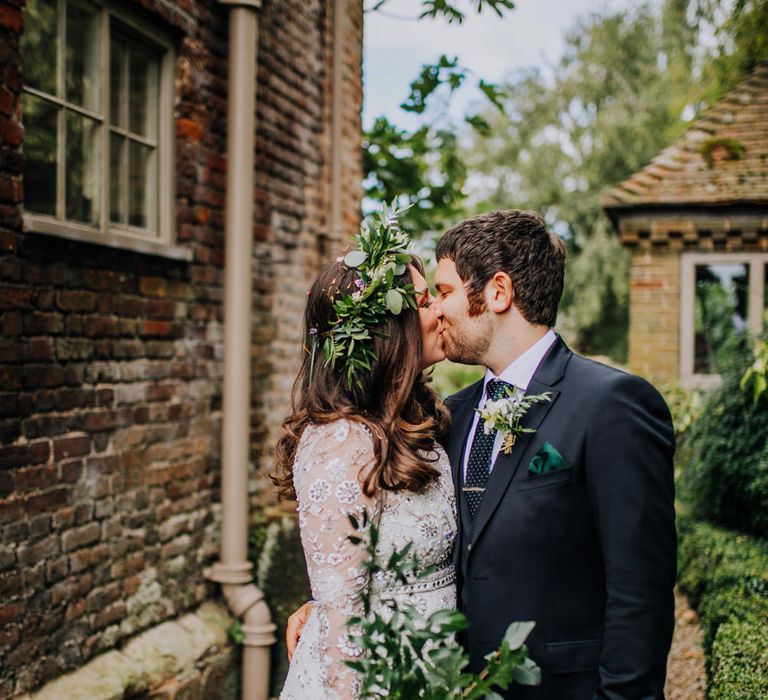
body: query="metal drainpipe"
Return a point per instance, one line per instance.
(337, 114)
(234, 570)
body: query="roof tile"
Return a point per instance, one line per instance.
(736, 131)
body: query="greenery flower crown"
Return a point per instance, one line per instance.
(380, 259)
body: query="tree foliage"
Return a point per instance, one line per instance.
(627, 85)
(422, 166)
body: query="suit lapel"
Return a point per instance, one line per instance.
(505, 467)
(461, 423)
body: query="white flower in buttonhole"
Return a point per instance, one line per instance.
(505, 414)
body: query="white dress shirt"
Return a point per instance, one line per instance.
(519, 372)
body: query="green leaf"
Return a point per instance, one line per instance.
(517, 633)
(355, 258)
(528, 673)
(394, 301)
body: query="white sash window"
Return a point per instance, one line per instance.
(97, 112)
(724, 298)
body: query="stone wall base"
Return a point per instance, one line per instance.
(189, 658)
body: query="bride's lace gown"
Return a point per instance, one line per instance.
(328, 461)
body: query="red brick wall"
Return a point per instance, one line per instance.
(111, 361)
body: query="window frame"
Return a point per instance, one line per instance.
(108, 232)
(756, 263)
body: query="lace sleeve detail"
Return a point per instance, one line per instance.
(327, 481)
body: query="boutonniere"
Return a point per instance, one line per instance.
(505, 415)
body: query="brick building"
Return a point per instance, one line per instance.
(696, 223)
(114, 129)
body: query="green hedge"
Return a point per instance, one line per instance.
(723, 458)
(725, 575)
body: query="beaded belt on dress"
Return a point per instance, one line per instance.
(436, 580)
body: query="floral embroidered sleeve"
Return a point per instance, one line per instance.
(327, 473)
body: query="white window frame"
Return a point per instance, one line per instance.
(162, 240)
(757, 281)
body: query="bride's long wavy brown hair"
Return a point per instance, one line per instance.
(393, 400)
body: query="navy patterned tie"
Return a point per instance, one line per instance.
(479, 463)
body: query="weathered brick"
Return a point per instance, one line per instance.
(7, 483)
(56, 570)
(74, 300)
(10, 612)
(74, 349)
(22, 455)
(38, 477)
(71, 588)
(101, 420)
(63, 518)
(71, 470)
(44, 549)
(10, 377)
(102, 326)
(12, 297)
(42, 375)
(43, 323)
(99, 598)
(81, 536)
(71, 446)
(11, 323)
(47, 501)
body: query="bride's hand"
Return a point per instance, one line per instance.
(294, 627)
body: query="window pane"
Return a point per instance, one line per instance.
(40, 118)
(722, 292)
(116, 171)
(141, 185)
(82, 147)
(117, 61)
(39, 44)
(143, 92)
(83, 56)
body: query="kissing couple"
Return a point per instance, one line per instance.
(562, 514)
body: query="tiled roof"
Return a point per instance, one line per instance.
(721, 159)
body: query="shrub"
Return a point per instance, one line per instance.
(724, 458)
(725, 575)
(740, 660)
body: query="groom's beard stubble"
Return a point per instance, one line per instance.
(469, 344)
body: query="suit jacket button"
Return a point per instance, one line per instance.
(469, 547)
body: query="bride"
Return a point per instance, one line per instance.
(364, 435)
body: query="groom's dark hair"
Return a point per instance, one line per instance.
(512, 241)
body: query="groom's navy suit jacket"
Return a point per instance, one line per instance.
(587, 550)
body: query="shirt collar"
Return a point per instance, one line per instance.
(521, 371)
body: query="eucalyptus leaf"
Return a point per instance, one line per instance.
(355, 258)
(526, 674)
(394, 301)
(517, 633)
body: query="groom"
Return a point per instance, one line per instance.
(574, 528)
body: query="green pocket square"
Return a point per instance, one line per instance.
(547, 459)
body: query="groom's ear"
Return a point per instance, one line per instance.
(500, 294)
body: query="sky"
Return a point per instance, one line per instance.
(395, 49)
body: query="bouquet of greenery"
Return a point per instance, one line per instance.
(406, 655)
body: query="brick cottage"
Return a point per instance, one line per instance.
(115, 120)
(696, 223)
